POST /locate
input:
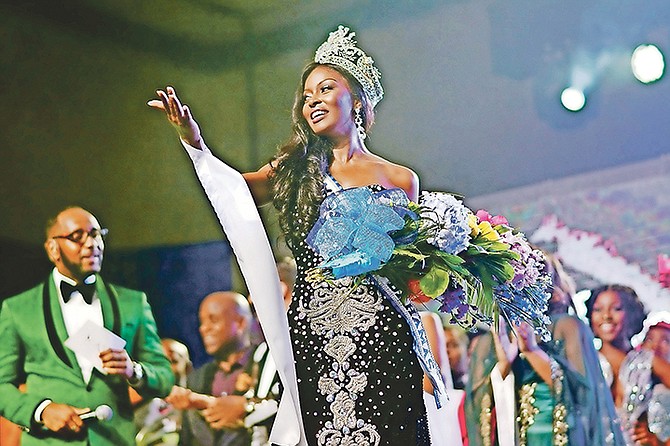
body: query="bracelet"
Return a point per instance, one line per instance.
(138, 374)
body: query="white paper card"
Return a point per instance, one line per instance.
(90, 340)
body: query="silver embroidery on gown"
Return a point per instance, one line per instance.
(338, 313)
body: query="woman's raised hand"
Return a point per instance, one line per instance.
(525, 337)
(506, 348)
(179, 116)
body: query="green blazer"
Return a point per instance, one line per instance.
(32, 333)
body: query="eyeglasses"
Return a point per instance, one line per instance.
(80, 236)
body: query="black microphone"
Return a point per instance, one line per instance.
(102, 413)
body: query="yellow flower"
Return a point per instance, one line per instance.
(488, 232)
(472, 222)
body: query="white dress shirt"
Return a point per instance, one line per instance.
(76, 312)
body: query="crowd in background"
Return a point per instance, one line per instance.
(608, 389)
(589, 384)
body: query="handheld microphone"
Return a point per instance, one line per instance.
(102, 413)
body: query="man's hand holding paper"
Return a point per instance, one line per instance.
(94, 343)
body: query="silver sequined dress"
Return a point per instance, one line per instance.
(359, 380)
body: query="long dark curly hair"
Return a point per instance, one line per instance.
(634, 311)
(300, 164)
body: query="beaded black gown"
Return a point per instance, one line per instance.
(359, 380)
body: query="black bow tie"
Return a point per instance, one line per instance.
(86, 290)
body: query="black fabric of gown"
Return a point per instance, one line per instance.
(359, 380)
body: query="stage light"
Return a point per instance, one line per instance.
(573, 99)
(647, 63)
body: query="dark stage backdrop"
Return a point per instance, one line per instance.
(175, 279)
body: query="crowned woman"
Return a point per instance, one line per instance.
(359, 353)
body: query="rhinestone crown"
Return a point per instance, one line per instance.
(340, 49)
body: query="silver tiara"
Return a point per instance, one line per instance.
(340, 49)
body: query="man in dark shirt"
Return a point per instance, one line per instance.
(226, 398)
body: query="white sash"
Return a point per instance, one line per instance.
(232, 201)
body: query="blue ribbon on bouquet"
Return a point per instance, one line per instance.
(352, 232)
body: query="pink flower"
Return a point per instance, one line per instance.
(495, 220)
(499, 220)
(482, 215)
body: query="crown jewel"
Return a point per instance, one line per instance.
(340, 49)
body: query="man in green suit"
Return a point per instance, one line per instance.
(64, 386)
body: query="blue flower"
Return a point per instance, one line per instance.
(352, 232)
(528, 304)
(454, 301)
(446, 220)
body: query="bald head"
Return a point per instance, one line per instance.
(225, 318)
(227, 301)
(74, 243)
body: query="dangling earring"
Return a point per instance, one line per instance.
(358, 121)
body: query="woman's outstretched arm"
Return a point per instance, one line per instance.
(180, 117)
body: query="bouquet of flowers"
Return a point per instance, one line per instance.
(473, 265)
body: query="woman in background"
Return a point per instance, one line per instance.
(644, 388)
(615, 314)
(541, 394)
(445, 424)
(457, 351)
